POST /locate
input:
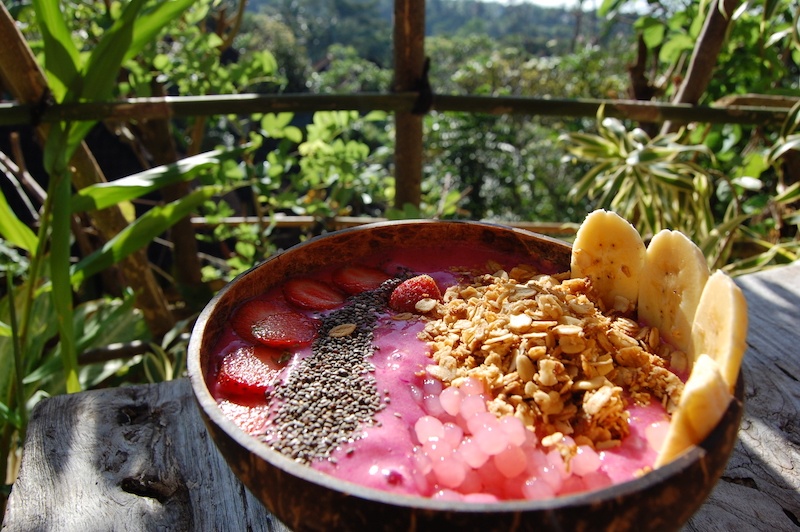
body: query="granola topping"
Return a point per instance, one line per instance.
(550, 353)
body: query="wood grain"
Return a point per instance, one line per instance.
(139, 458)
(136, 458)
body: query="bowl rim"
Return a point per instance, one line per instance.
(209, 408)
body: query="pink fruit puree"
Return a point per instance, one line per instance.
(424, 442)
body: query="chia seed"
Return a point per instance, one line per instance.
(332, 394)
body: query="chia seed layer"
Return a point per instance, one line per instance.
(331, 395)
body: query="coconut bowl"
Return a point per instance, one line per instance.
(306, 499)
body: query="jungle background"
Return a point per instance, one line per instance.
(115, 233)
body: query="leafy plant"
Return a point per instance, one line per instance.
(655, 183)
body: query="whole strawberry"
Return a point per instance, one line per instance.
(408, 295)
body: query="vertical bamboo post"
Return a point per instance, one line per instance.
(409, 76)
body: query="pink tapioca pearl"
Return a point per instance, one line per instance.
(428, 428)
(514, 429)
(450, 399)
(511, 462)
(535, 488)
(437, 450)
(471, 405)
(573, 484)
(447, 495)
(472, 453)
(585, 461)
(471, 386)
(596, 480)
(480, 497)
(491, 439)
(453, 434)
(450, 472)
(472, 482)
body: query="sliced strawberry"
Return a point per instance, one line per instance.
(312, 294)
(357, 279)
(248, 371)
(405, 297)
(261, 322)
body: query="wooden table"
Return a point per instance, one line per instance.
(139, 458)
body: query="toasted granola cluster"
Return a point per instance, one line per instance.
(550, 354)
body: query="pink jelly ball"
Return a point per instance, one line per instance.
(472, 482)
(431, 386)
(556, 461)
(549, 475)
(490, 438)
(416, 393)
(447, 495)
(471, 405)
(433, 406)
(585, 461)
(428, 428)
(450, 472)
(493, 480)
(514, 430)
(437, 450)
(573, 484)
(511, 461)
(472, 453)
(471, 386)
(453, 434)
(450, 399)
(480, 497)
(482, 420)
(536, 489)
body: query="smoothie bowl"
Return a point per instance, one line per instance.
(414, 375)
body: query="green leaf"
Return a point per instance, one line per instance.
(106, 58)
(274, 123)
(652, 31)
(152, 21)
(140, 233)
(13, 230)
(102, 195)
(61, 57)
(674, 47)
(789, 195)
(60, 187)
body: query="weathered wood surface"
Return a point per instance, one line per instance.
(128, 459)
(139, 458)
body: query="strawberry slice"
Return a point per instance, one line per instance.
(261, 322)
(407, 294)
(312, 294)
(248, 371)
(357, 279)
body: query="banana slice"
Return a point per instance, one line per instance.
(702, 405)
(720, 326)
(672, 281)
(609, 251)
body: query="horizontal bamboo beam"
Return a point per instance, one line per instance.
(243, 104)
(562, 229)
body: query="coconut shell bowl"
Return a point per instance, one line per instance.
(306, 499)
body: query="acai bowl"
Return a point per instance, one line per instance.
(395, 406)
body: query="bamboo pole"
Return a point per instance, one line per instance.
(764, 112)
(409, 76)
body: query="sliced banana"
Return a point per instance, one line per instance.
(720, 326)
(704, 400)
(609, 251)
(672, 281)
